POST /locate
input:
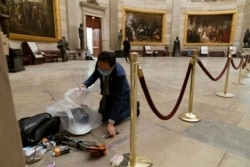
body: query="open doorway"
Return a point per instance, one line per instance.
(93, 26)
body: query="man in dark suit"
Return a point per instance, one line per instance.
(126, 48)
(115, 90)
(246, 39)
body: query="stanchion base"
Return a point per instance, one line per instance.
(140, 162)
(239, 83)
(189, 117)
(222, 94)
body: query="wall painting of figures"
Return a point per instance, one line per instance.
(34, 20)
(144, 27)
(210, 28)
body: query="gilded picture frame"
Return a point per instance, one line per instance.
(144, 27)
(34, 20)
(210, 28)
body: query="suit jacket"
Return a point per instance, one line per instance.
(119, 90)
(126, 46)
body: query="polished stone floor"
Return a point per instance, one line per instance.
(220, 139)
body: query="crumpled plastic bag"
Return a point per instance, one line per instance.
(33, 154)
(77, 111)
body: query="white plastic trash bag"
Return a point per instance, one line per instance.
(77, 112)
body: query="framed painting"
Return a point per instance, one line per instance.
(34, 20)
(209, 28)
(144, 27)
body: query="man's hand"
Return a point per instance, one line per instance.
(82, 86)
(111, 129)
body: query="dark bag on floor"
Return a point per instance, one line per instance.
(33, 129)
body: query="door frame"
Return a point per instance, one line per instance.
(94, 23)
(96, 11)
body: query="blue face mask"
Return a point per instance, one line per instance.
(104, 72)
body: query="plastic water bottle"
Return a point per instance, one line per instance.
(60, 150)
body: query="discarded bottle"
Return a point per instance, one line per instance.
(60, 150)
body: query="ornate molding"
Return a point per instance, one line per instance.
(92, 6)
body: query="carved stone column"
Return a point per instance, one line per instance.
(113, 6)
(71, 8)
(11, 153)
(176, 7)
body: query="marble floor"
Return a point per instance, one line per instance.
(220, 139)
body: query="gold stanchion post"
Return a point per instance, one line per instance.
(247, 68)
(240, 73)
(133, 105)
(225, 93)
(134, 161)
(190, 116)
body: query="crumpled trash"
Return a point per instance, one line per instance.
(51, 164)
(116, 160)
(33, 154)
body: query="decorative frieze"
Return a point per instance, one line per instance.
(209, 0)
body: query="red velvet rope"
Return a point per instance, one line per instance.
(209, 75)
(241, 62)
(151, 103)
(246, 61)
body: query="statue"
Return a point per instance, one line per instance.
(4, 17)
(119, 39)
(246, 39)
(177, 47)
(81, 36)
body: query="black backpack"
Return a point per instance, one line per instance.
(33, 129)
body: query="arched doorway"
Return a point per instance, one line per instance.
(94, 37)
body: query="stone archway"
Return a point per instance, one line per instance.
(95, 10)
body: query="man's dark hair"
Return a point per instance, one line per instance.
(107, 57)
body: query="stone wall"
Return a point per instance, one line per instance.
(176, 11)
(71, 15)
